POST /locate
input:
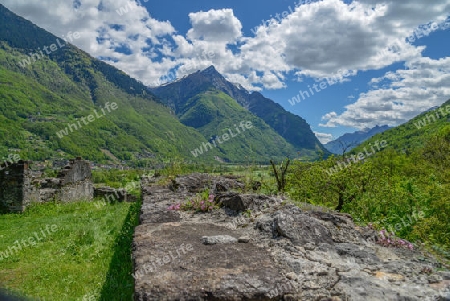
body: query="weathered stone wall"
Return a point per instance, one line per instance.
(18, 188)
(76, 171)
(76, 181)
(77, 191)
(111, 194)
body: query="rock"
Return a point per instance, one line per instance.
(434, 278)
(243, 239)
(445, 275)
(240, 202)
(300, 228)
(220, 188)
(212, 272)
(285, 253)
(218, 239)
(291, 276)
(389, 276)
(359, 253)
(232, 201)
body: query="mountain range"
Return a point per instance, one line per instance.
(206, 101)
(51, 103)
(349, 141)
(414, 134)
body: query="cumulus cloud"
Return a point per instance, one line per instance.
(324, 137)
(106, 26)
(319, 39)
(215, 25)
(397, 96)
(326, 37)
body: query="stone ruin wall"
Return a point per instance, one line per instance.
(19, 188)
(16, 189)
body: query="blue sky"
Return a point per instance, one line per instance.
(389, 61)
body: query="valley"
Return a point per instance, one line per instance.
(206, 160)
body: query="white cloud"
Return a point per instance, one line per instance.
(405, 93)
(215, 25)
(318, 39)
(324, 137)
(326, 37)
(94, 20)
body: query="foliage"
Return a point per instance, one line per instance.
(387, 189)
(45, 97)
(116, 178)
(414, 134)
(214, 113)
(202, 99)
(387, 239)
(280, 175)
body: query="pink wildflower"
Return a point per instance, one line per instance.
(174, 207)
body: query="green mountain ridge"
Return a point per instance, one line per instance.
(413, 134)
(57, 90)
(294, 130)
(45, 105)
(214, 113)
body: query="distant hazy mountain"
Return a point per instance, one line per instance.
(191, 97)
(414, 134)
(350, 140)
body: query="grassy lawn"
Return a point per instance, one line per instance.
(80, 252)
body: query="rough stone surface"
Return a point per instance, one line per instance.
(19, 188)
(218, 239)
(288, 254)
(16, 188)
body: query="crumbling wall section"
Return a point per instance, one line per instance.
(16, 187)
(76, 181)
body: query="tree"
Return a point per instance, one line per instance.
(281, 174)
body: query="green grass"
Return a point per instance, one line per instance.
(88, 255)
